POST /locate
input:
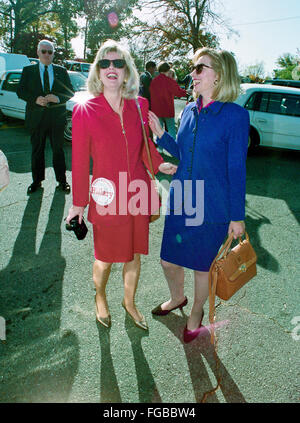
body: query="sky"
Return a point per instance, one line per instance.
(267, 29)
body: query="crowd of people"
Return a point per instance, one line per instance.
(207, 194)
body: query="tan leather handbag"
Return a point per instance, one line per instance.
(156, 215)
(230, 270)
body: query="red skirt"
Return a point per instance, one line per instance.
(118, 244)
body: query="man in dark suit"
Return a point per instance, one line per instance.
(46, 88)
(146, 78)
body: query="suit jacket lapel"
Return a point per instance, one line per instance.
(37, 77)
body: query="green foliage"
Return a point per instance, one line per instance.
(287, 62)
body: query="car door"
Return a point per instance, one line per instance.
(10, 104)
(278, 123)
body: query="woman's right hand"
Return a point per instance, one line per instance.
(155, 125)
(75, 211)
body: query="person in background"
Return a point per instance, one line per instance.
(108, 129)
(212, 146)
(163, 90)
(46, 88)
(145, 80)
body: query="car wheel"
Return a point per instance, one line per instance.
(68, 129)
(2, 116)
(253, 139)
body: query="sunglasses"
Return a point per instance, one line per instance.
(47, 51)
(117, 63)
(199, 68)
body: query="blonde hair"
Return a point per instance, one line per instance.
(131, 82)
(224, 64)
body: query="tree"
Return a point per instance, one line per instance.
(179, 26)
(31, 19)
(287, 63)
(256, 72)
(105, 20)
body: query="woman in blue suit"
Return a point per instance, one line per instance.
(207, 193)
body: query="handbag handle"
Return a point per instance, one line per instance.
(145, 139)
(212, 281)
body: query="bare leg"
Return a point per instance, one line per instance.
(131, 275)
(101, 272)
(174, 275)
(201, 292)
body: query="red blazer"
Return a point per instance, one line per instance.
(162, 92)
(97, 133)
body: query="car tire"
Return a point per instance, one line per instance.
(2, 117)
(253, 139)
(68, 128)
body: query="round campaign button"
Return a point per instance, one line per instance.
(103, 191)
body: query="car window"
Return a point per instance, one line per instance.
(12, 81)
(78, 81)
(280, 103)
(251, 102)
(85, 67)
(291, 105)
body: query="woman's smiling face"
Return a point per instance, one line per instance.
(112, 77)
(204, 82)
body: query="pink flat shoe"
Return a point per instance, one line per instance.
(190, 335)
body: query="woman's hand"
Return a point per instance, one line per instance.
(167, 168)
(155, 125)
(75, 211)
(238, 228)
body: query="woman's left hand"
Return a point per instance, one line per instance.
(238, 228)
(167, 168)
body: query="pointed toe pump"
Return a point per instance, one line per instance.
(139, 323)
(105, 321)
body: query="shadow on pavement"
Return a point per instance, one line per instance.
(196, 352)
(39, 361)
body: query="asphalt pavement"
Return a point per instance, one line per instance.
(55, 351)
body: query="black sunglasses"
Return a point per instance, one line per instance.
(199, 68)
(47, 51)
(117, 63)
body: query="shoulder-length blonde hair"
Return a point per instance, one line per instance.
(224, 64)
(131, 82)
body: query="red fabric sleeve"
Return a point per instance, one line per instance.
(80, 157)
(177, 91)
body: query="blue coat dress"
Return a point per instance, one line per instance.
(208, 190)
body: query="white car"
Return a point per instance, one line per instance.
(274, 115)
(12, 106)
(81, 67)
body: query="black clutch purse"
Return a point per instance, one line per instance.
(79, 229)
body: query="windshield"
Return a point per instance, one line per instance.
(85, 67)
(78, 81)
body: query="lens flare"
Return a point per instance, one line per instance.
(113, 19)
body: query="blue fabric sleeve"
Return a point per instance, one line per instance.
(168, 143)
(237, 154)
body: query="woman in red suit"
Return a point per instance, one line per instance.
(108, 129)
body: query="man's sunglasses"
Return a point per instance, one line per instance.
(199, 68)
(117, 63)
(47, 51)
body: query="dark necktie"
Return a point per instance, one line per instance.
(46, 81)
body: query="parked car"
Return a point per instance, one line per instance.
(12, 106)
(34, 60)
(283, 82)
(80, 67)
(274, 115)
(12, 61)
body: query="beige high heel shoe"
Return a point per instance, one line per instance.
(105, 321)
(139, 323)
